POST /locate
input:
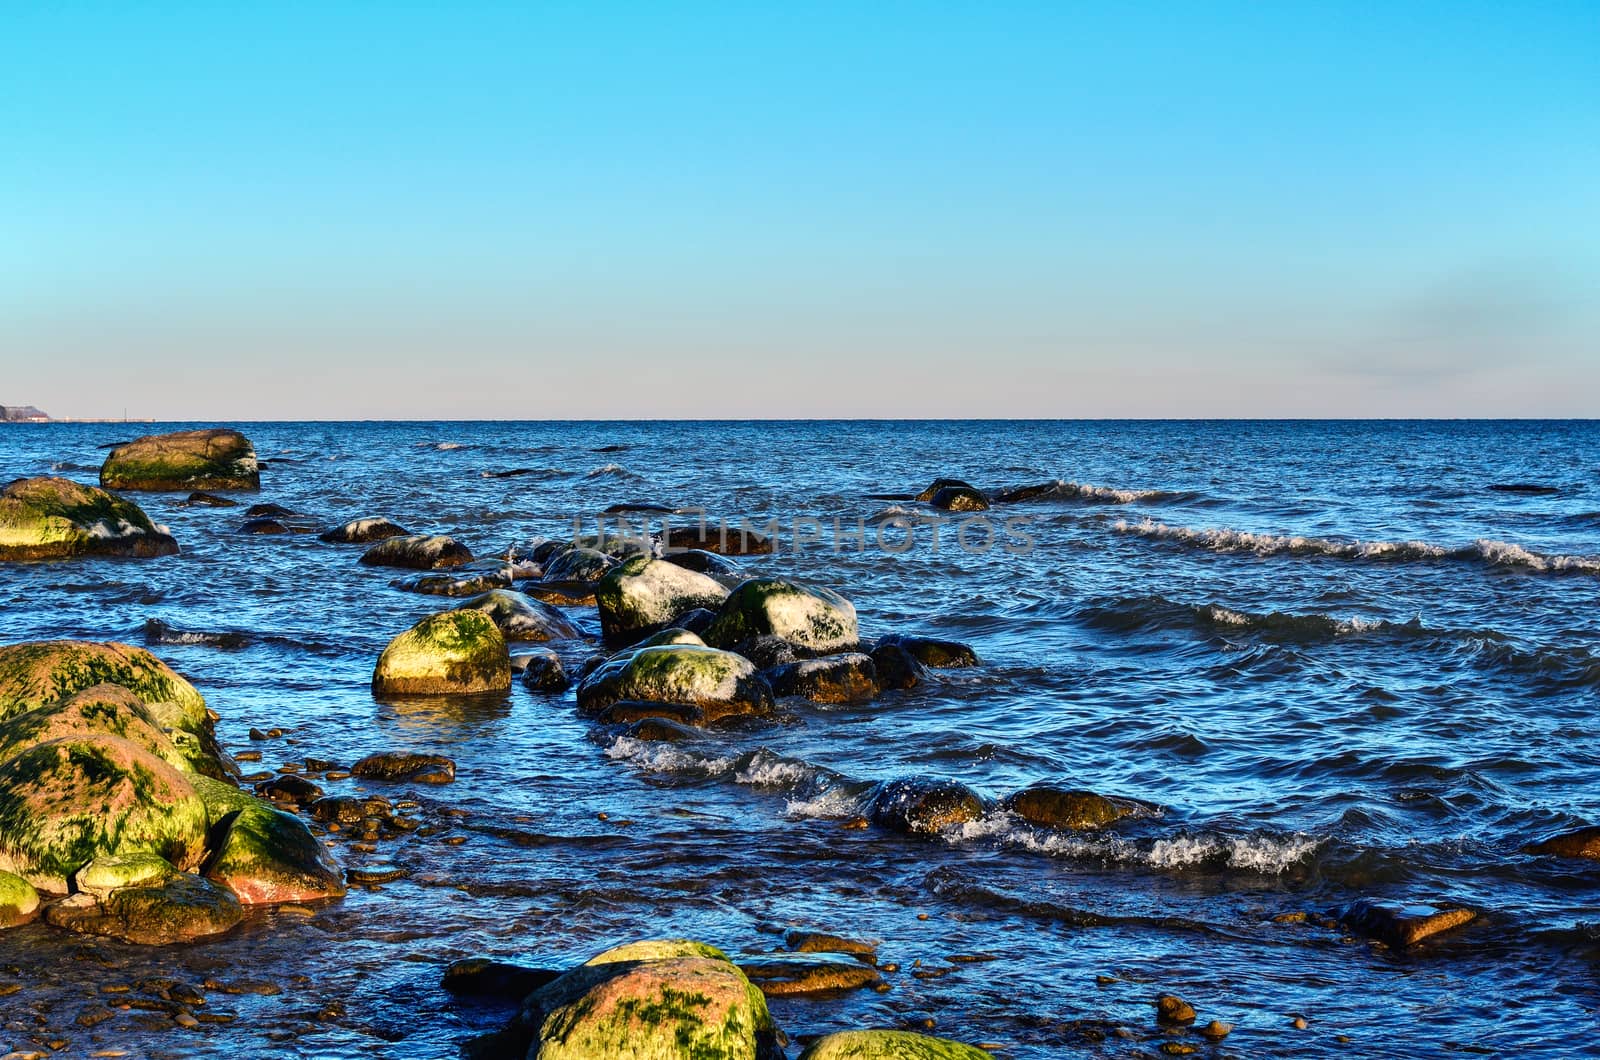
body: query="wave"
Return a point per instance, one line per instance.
(614, 471)
(70, 465)
(1124, 614)
(1263, 853)
(1484, 550)
(1061, 489)
(760, 768)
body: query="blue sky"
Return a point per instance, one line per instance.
(337, 210)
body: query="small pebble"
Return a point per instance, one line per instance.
(185, 1018)
(1299, 1023)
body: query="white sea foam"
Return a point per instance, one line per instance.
(764, 769)
(828, 804)
(658, 757)
(1265, 854)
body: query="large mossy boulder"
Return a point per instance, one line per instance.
(264, 855)
(923, 805)
(108, 709)
(672, 1000)
(19, 902)
(890, 1045)
(180, 908)
(719, 683)
(68, 801)
(363, 531)
(643, 595)
(578, 565)
(813, 619)
(214, 458)
(56, 518)
(520, 617)
(417, 552)
(452, 652)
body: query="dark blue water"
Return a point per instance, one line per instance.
(1343, 665)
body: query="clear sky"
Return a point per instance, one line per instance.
(531, 210)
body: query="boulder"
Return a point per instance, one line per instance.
(720, 683)
(1069, 809)
(848, 678)
(68, 801)
(808, 975)
(108, 709)
(467, 580)
(731, 542)
(181, 908)
(404, 766)
(578, 565)
(542, 672)
(364, 531)
(209, 459)
(112, 872)
(959, 499)
(56, 518)
(417, 552)
(1582, 843)
(651, 1001)
(451, 652)
(521, 618)
(938, 654)
(889, 1045)
(643, 595)
(938, 484)
(264, 855)
(814, 619)
(896, 668)
(923, 805)
(19, 902)
(1401, 927)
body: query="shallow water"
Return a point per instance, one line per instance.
(1341, 663)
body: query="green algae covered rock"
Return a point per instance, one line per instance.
(109, 709)
(55, 518)
(720, 683)
(923, 805)
(112, 872)
(578, 565)
(264, 855)
(210, 459)
(417, 552)
(1069, 809)
(815, 619)
(68, 801)
(520, 617)
(181, 908)
(19, 902)
(651, 1001)
(451, 652)
(644, 594)
(847, 678)
(889, 1045)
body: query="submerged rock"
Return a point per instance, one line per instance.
(815, 619)
(1582, 843)
(938, 484)
(643, 595)
(480, 977)
(1401, 927)
(364, 531)
(451, 652)
(19, 902)
(702, 562)
(417, 552)
(632, 711)
(808, 975)
(210, 459)
(467, 580)
(923, 805)
(200, 499)
(938, 654)
(56, 518)
(416, 768)
(68, 801)
(848, 678)
(660, 730)
(720, 683)
(521, 618)
(181, 908)
(1068, 808)
(889, 1045)
(264, 855)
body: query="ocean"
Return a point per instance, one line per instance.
(1341, 661)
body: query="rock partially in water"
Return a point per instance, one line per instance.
(1401, 927)
(814, 619)
(1174, 1011)
(364, 531)
(1581, 843)
(417, 552)
(160, 633)
(467, 580)
(264, 855)
(650, 1001)
(68, 801)
(289, 788)
(660, 730)
(209, 459)
(702, 562)
(959, 499)
(578, 565)
(451, 652)
(406, 766)
(521, 618)
(542, 672)
(732, 541)
(182, 908)
(106, 709)
(720, 683)
(937, 654)
(480, 977)
(19, 902)
(112, 872)
(847, 678)
(896, 668)
(200, 499)
(823, 942)
(923, 805)
(1068, 809)
(642, 595)
(808, 975)
(632, 711)
(56, 518)
(890, 1045)
(938, 484)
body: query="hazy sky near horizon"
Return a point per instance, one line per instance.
(535, 210)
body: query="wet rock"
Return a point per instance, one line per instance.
(543, 672)
(56, 518)
(1017, 494)
(652, 1001)
(923, 805)
(889, 1045)
(479, 977)
(1215, 1031)
(896, 668)
(938, 654)
(108, 709)
(348, 809)
(642, 595)
(112, 872)
(263, 855)
(268, 510)
(1068, 809)
(578, 565)
(814, 619)
(200, 499)
(696, 621)
(732, 542)
(630, 711)
(417, 552)
(720, 683)
(208, 459)
(822, 942)
(452, 652)
(660, 730)
(1174, 1011)
(670, 635)
(1401, 927)
(959, 499)
(1582, 843)
(19, 902)
(263, 526)
(159, 633)
(415, 768)
(180, 909)
(472, 579)
(702, 562)
(808, 975)
(364, 531)
(67, 801)
(521, 618)
(848, 678)
(288, 788)
(938, 484)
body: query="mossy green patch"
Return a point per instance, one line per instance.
(890, 1045)
(54, 518)
(18, 900)
(207, 459)
(451, 652)
(811, 617)
(264, 855)
(719, 682)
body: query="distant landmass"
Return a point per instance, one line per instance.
(22, 414)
